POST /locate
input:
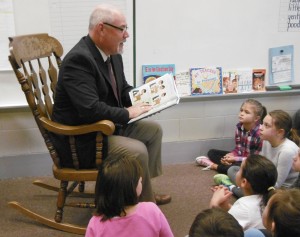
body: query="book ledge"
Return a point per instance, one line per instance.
(24, 107)
(241, 95)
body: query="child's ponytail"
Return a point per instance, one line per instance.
(293, 135)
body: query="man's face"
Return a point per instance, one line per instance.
(115, 35)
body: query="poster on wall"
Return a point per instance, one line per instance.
(281, 69)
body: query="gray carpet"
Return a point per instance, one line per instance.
(187, 183)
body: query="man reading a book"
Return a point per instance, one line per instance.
(92, 87)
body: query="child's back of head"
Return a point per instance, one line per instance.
(215, 222)
(116, 186)
(282, 214)
(261, 173)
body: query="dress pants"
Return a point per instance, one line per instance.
(143, 140)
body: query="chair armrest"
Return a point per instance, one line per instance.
(105, 126)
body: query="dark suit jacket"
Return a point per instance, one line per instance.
(84, 95)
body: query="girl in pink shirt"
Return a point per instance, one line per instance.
(118, 212)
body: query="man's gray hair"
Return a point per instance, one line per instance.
(102, 13)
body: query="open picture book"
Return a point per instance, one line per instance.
(161, 93)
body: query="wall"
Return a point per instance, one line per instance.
(190, 129)
(231, 34)
(194, 33)
(68, 22)
(227, 33)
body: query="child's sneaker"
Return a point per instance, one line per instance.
(222, 179)
(204, 161)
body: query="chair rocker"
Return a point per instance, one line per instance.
(29, 55)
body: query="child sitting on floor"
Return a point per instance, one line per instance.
(256, 177)
(118, 212)
(282, 214)
(247, 139)
(280, 146)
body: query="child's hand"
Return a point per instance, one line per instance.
(228, 159)
(224, 161)
(221, 197)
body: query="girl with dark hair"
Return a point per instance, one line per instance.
(118, 212)
(256, 177)
(215, 222)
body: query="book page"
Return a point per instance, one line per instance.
(155, 92)
(161, 93)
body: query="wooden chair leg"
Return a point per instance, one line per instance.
(81, 187)
(62, 194)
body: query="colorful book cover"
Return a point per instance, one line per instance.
(258, 79)
(237, 80)
(230, 81)
(151, 72)
(206, 81)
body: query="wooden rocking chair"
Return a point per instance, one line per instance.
(29, 55)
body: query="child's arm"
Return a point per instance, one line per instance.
(221, 198)
(284, 165)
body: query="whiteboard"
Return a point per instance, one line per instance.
(226, 33)
(66, 20)
(7, 29)
(69, 22)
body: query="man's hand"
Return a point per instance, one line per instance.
(137, 110)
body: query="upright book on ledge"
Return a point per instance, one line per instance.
(206, 80)
(161, 93)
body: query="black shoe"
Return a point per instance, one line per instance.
(162, 199)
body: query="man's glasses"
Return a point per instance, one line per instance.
(122, 29)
